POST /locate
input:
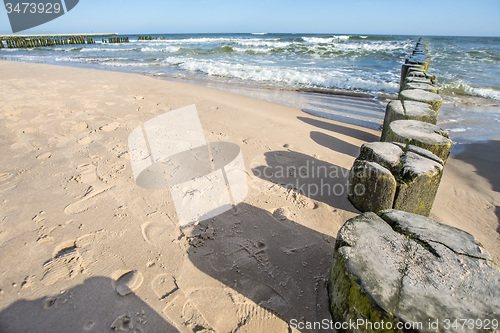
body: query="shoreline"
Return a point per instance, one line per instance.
(199, 53)
(292, 97)
(67, 192)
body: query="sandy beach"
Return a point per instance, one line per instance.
(75, 227)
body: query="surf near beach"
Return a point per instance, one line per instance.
(365, 65)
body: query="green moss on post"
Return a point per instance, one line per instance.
(407, 110)
(371, 187)
(421, 74)
(404, 71)
(348, 301)
(422, 86)
(421, 134)
(406, 268)
(419, 182)
(418, 95)
(416, 172)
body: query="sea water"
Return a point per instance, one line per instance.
(467, 69)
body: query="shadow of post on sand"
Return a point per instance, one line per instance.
(309, 176)
(280, 265)
(277, 263)
(485, 158)
(93, 306)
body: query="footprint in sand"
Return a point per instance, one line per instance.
(128, 282)
(122, 324)
(90, 199)
(5, 183)
(201, 311)
(256, 250)
(23, 146)
(110, 127)
(79, 127)
(5, 176)
(130, 323)
(211, 302)
(49, 302)
(86, 242)
(89, 326)
(44, 156)
(164, 285)
(243, 251)
(66, 263)
(201, 308)
(257, 319)
(88, 173)
(159, 233)
(282, 214)
(68, 257)
(85, 141)
(60, 141)
(40, 217)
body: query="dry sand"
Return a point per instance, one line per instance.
(76, 231)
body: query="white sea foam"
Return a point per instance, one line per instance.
(104, 49)
(168, 49)
(172, 49)
(342, 37)
(487, 93)
(318, 40)
(274, 43)
(68, 49)
(371, 47)
(201, 40)
(280, 75)
(113, 62)
(68, 59)
(325, 40)
(150, 49)
(252, 49)
(128, 64)
(322, 45)
(461, 87)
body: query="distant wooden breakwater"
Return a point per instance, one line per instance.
(31, 41)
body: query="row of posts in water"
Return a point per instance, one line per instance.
(17, 42)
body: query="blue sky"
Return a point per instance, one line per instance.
(423, 17)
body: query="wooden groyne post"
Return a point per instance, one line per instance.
(404, 170)
(394, 269)
(118, 40)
